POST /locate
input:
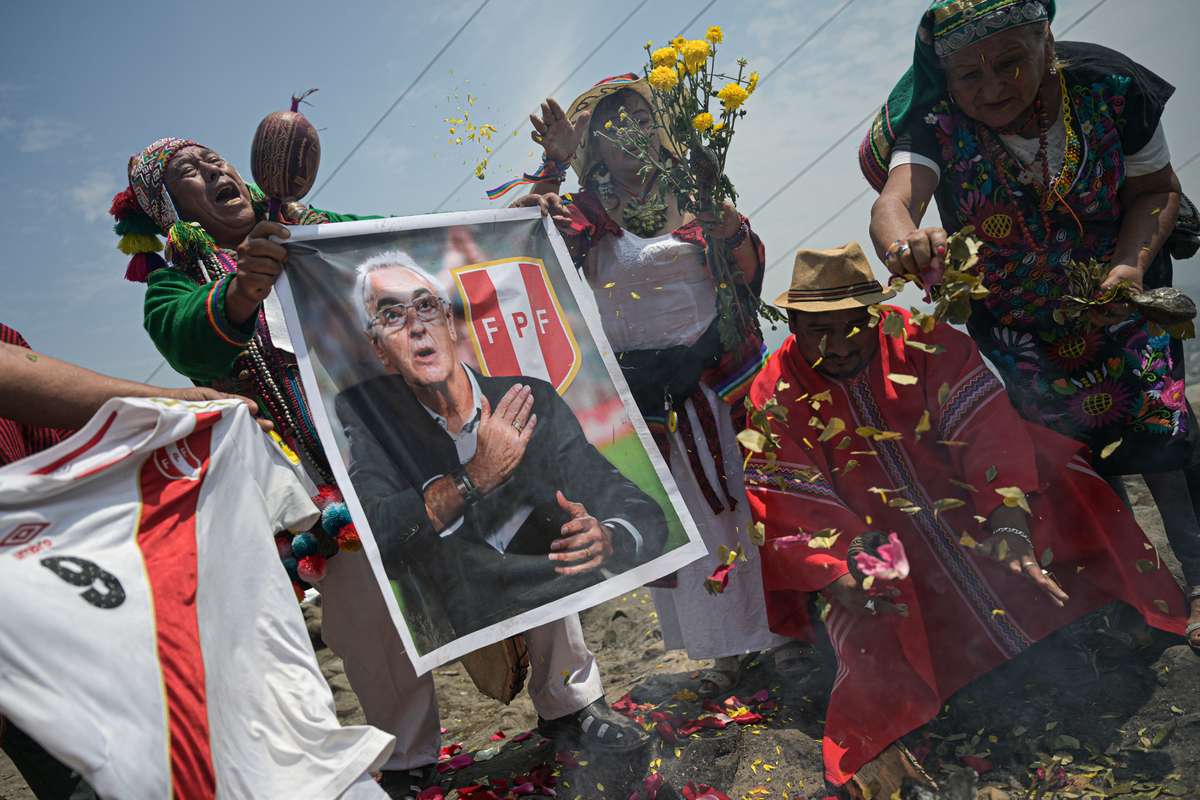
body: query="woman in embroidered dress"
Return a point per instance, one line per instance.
(645, 261)
(1052, 152)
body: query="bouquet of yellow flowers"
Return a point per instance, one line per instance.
(694, 112)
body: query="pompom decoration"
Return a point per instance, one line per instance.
(131, 244)
(124, 205)
(141, 265)
(311, 568)
(348, 540)
(304, 544)
(326, 494)
(326, 544)
(284, 545)
(335, 517)
(290, 564)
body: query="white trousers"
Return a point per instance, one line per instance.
(734, 622)
(563, 674)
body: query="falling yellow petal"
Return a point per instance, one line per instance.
(854, 331)
(635, 295)
(868, 582)
(967, 540)
(610, 284)
(998, 612)
(1110, 448)
(817, 363)
(902, 379)
(923, 423)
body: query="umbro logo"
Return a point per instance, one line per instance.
(23, 533)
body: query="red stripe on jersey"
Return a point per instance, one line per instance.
(170, 483)
(83, 448)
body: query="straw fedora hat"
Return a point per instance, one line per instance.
(833, 280)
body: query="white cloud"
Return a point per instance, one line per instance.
(40, 134)
(91, 196)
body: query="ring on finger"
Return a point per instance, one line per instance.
(517, 426)
(903, 249)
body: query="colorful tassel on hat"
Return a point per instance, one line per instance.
(141, 265)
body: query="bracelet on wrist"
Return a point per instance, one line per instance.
(1014, 531)
(466, 487)
(735, 241)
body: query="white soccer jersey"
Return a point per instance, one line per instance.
(150, 637)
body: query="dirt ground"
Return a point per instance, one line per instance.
(1124, 723)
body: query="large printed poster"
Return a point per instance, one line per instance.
(478, 424)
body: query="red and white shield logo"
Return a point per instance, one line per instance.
(516, 322)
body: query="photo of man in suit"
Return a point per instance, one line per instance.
(484, 496)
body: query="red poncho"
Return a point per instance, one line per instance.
(966, 614)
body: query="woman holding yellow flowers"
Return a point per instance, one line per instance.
(645, 260)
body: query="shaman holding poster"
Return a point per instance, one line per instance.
(485, 437)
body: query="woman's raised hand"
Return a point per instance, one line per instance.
(555, 133)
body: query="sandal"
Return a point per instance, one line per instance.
(593, 727)
(886, 774)
(715, 681)
(406, 784)
(791, 658)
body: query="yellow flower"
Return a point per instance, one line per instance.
(663, 78)
(753, 84)
(732, 95)
(608, 125)
(702, 121)
(718, 127)
(677, 43)
(695, 53)
(663, 57)
(715, 35)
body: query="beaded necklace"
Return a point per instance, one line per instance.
(1049, 189)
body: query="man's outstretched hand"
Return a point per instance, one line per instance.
(585, 543)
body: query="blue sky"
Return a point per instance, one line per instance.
(83, 87)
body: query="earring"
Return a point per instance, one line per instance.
(1053, 69)
(604, 187)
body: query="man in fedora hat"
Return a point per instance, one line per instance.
(875, 428)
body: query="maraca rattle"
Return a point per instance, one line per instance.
(285, 156)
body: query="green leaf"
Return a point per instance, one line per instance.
(991, 473)
(752, 440)
(943, 394)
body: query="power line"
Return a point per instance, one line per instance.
(787, 253)
(399, 99)
(150, 377)
(862, 193)
(855, 128)
(1187, 163)
(516, 128)
(805, 41)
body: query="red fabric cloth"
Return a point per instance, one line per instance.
(18, 441)
(966, 614)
